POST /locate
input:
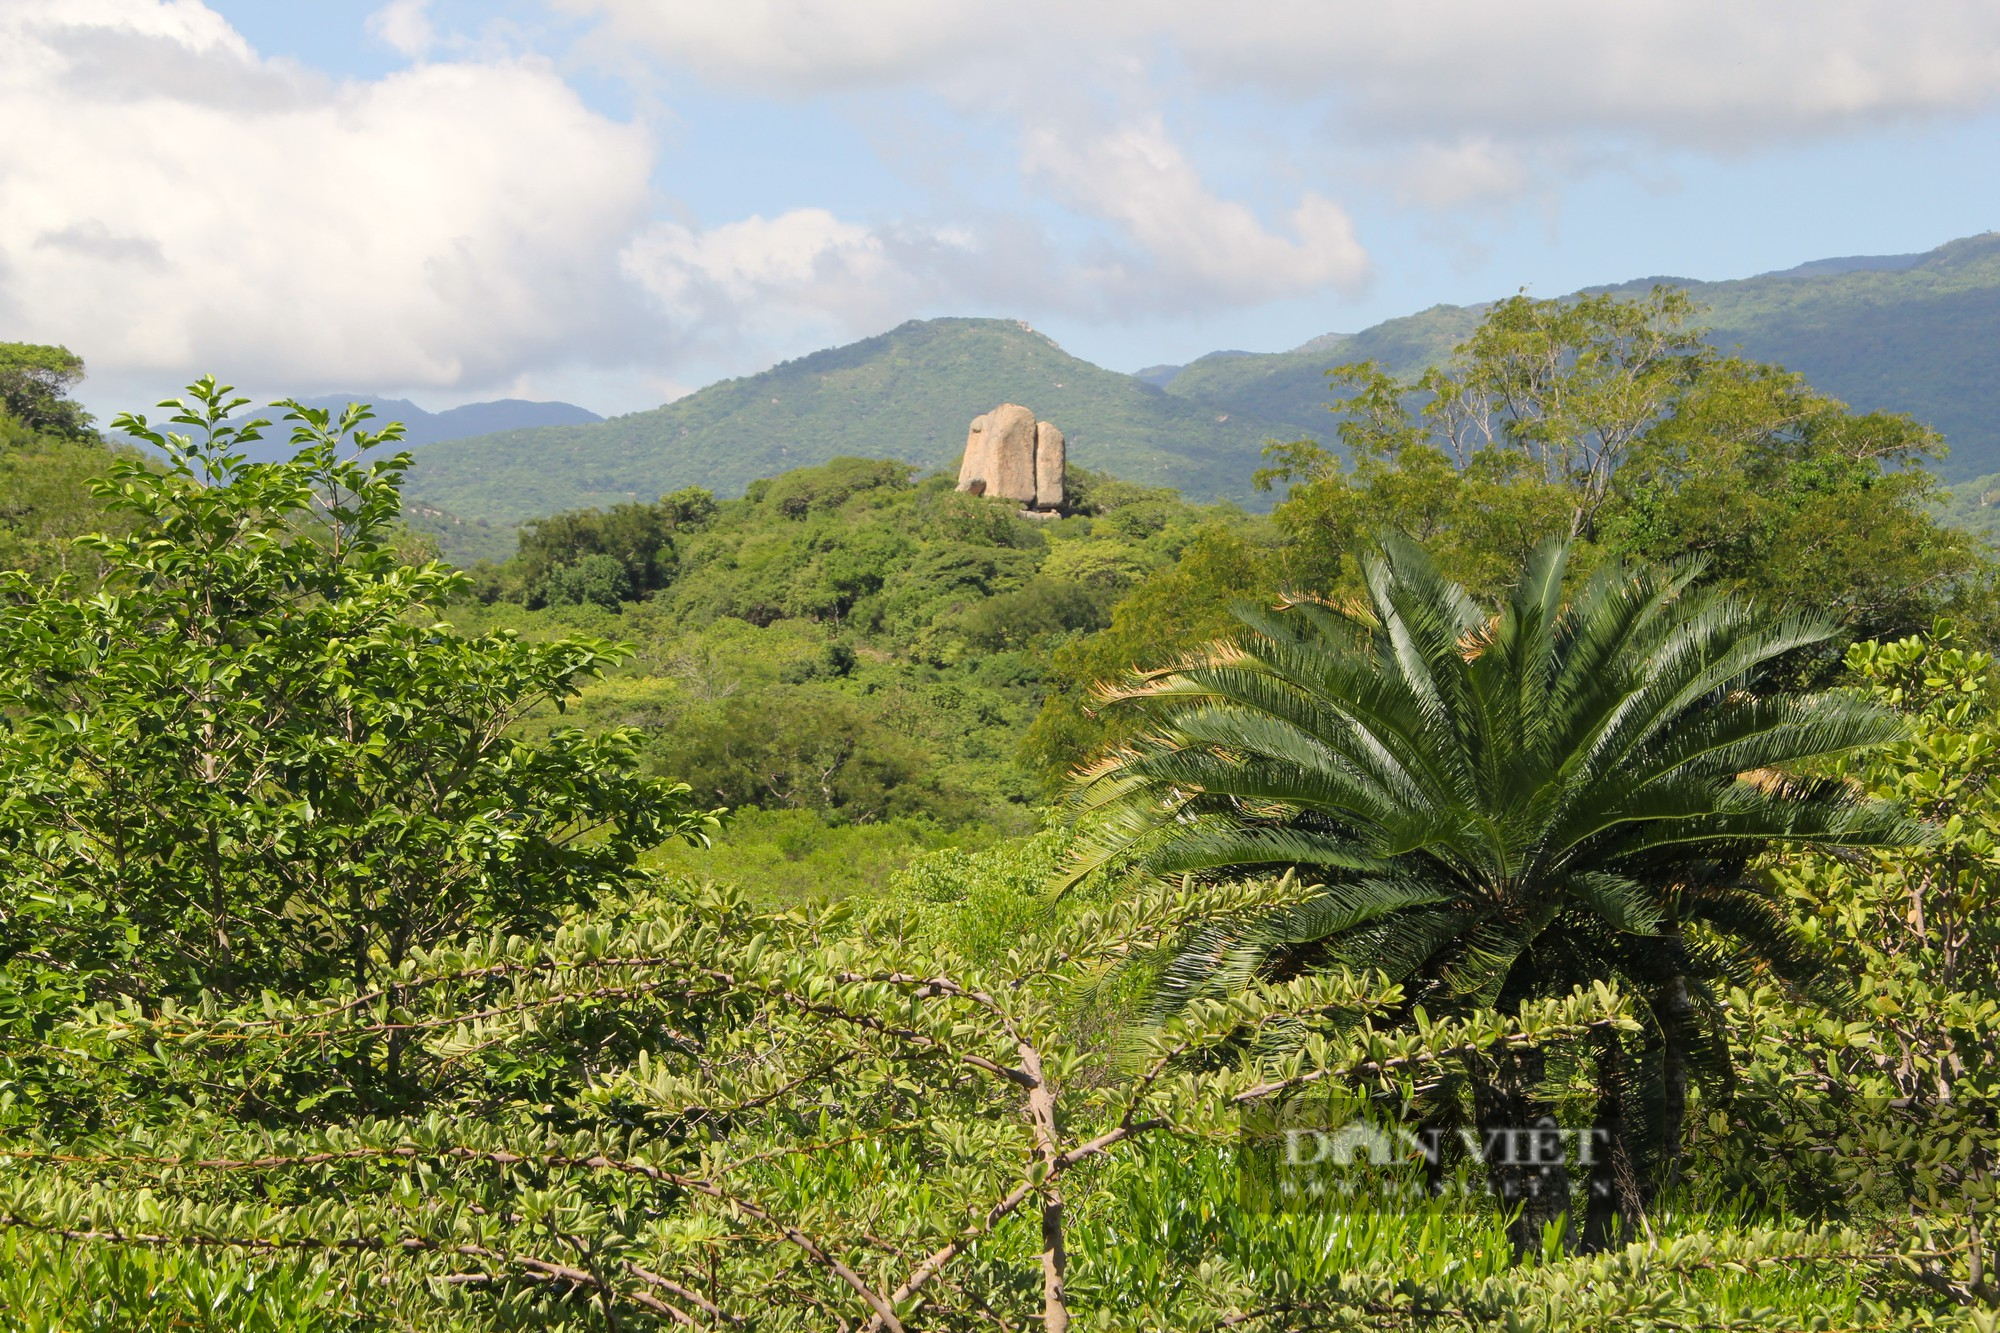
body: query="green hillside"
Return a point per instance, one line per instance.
(1974, 505)
(907, 394)
(1918, 336)
(1925, 340)
(1922, 338)
(1291, 386)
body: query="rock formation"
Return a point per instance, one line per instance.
(1011, 455)
(1049, 458)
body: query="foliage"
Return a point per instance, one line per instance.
(787, 857)
(789, 1119)
(579, 1094)
(1897, 1106)
(1906, 337)
(593, 580)
(1492, 808)
(1799, 502)
(610, 557)
(34, 390)
(801, 1121)
(1611, 421)
(1606, 420)
(1186, 603)
(245, 755)
(48, 453)
(46, 502)
(812, 747)
(844, 639)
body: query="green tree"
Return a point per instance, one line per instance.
(1795, 500)
(46, 502)
(1497, 807)
(1900, 1109)
(639, 538)
(797, 1121)
(810, 746)
(34, 389)
(594, 580)
(1611, 422)
(249, 755)
(1175, 610)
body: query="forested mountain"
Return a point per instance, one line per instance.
(1903, 333)
(907, 394)
(1908, 333)
(1923, 340)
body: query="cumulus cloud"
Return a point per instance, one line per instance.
(1186, 244)
(811, 46)
(1709, 72)
(1452, 102)
(404, 25)
(1474, 169)
(170, 201)
(764, 275)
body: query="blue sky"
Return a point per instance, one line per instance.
(616, 201)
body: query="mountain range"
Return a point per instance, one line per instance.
(457, 423)
(1913, 333)
(421, 427)
(908, 393)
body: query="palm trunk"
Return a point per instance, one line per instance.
(1525, 1152)
(1614, 1203)
(1673, 1011)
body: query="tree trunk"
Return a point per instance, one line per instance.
(1614, 1202)
(1525, 1150)
(1672, 1010)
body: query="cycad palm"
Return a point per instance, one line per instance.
(1498, 806)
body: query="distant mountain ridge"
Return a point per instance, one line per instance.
(1833, 268)
(909, 393)
(422, 428)
(1900, 333)
(457, 423)
(1907, 333)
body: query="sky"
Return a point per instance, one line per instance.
(614, 202)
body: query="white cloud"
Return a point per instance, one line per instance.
(764, 275)
(1450, 103)
(1473, 170)
(404, 25)
(171, 202)
(810, 46)
(1713, 73)
(1186, 244)
(1719, 73)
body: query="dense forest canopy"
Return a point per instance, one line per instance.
(860, 904)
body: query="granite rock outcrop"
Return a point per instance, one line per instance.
(1011, 455)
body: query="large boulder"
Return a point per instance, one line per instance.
(972, 472)
(1009, 455)
(1048, 466)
